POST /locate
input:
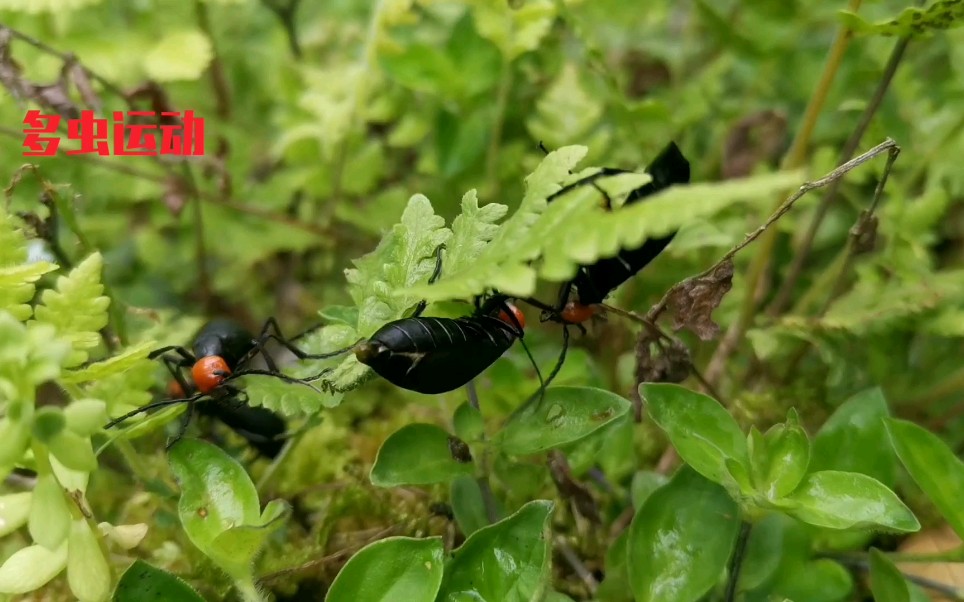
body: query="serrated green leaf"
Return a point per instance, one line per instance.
(405, 257)
(565, 112)
(703, 433)
(505, 561)
(17, 287)
(395, 568)
(513, 31)
(179, 55)
(561, 416)
(680, 540)
(117, 364)
(912, 21)
(471, 231)
(933, 466)
(417, 454)
(77, 307)
(13, 243)
(145, 583)
(846, 500)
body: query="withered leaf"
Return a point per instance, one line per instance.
(695, 299)
(56, 97)
(459, 450)
(864, 233)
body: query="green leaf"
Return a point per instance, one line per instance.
(13, 242)
(703, 433)
(563, 415)
(680, 540)
(505, 561)
(471, 231)
(417, 454)
(30, 568)
(395, 568)
(566, 112)
(14, 511)
(468, 423)
(17, 287)
(179, 55)
(73, 451)
(219, 505)
(854, 439)
(117, 364)
(467, 504)
(422, 68)
(644, 484)
(514, 31)
(145, 583)
(846, 500)
(461, 140)
(788, 451)
(49, 513)
(87, 571)
(45, 6)
(933, 466)
(886, 582)
(912, 21)
(77, 308)
(763, 551)
(818, 581)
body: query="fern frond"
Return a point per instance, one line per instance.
(77, 308)
(17, 277)
(117, 364)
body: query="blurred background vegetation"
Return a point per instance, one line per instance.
(323, 118)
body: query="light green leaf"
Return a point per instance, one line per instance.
(50, 517)
(471, 231)
(566, 112)
(505, 561)
(145, 583)
(912, 21)
(703, 433)
(563, 415)
(644, 484)
(77, 308)
(514, 31)
(179, 55)
(886, 582)
(417, 454)
(17, 287)
(468, 423)
(848, 500)
(788, 457)
(117, 364)
(30, 568)
(821, 580)
(680, 540)
(14, 511)
(87, 571)
(933, 466)
(395, 568)
(36, 7)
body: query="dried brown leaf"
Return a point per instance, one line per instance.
(864, 233)
(934, 541)
(10, 72)
(695, 299)
(459, 450)
(56, 97)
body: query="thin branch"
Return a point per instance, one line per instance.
(802, 250)
(574, 562)
(736, 561)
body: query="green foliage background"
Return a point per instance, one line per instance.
(322, 125)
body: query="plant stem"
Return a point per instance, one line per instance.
(803, 246)
(736, 561)
(248, 590)
(794, 159)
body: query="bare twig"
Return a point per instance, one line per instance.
(850, 147)
(574, 562)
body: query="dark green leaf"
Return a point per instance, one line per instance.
(763, 551)
(468, 505)
(854, 439)
(505, 561)
(817, 581)
(145, 583)
(564, 415)
(934, 467)
(643, 485)
(468, 423)
(701, 430)
(886, 582)
(681, 539)
(417, 454)
(844, 500)
(396, 568)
